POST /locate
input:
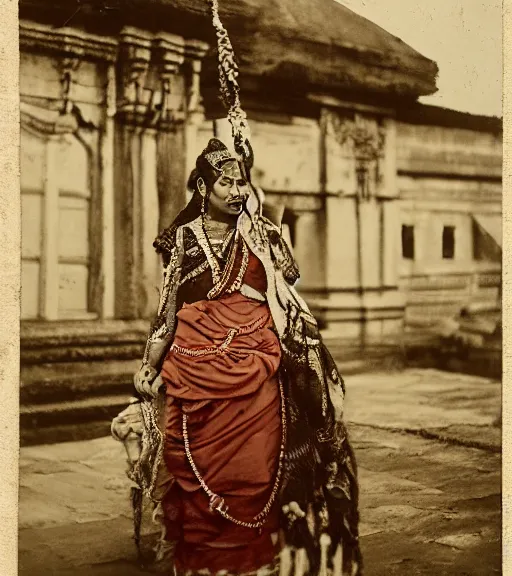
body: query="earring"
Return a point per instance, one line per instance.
(203, 206)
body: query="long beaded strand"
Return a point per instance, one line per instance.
(216, 501)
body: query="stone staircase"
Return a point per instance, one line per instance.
(76, 377)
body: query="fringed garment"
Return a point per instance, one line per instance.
(250, 427)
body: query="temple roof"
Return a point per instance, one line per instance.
(318, 45)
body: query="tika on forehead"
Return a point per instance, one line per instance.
(218, 156)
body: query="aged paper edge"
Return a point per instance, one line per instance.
(10, 271)
(507, 287)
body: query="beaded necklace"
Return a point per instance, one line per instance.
(217, 502)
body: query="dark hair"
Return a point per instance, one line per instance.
(192, 180)
(166, 240)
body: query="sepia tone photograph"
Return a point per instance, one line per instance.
(261, 288)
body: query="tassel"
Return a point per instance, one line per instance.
(325, 542)
(301, 562)
(136, 498)
(338, 562)
(285, 564)
(158, 518)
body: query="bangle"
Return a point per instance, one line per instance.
(147, 373)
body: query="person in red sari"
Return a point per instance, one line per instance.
(221, 371)
(242, 441)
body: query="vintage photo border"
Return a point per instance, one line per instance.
(10, 285)
(10, 246)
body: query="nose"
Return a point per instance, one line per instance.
(238, 193)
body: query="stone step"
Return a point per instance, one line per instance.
(78, 342)
(64, 433)
(76, 414)
(69, 381)
(81, 353)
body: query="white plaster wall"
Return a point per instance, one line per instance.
(56, 191)
(287, 156)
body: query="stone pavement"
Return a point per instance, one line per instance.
(430, 472)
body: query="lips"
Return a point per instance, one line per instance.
(235, 204)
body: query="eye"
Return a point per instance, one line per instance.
(241, 182)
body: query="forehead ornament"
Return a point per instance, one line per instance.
(216, 157)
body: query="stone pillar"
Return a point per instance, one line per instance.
(362, 300)
(157, 93)
(176, 143)
(309, 248)
(171, 164)
(142, 111)
(49, 293)
(108, 201)
(194, 53)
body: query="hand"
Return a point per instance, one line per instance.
(155, 387)
(129, 420)
(144, 379)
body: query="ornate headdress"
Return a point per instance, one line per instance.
(209, 162)
(217, 157)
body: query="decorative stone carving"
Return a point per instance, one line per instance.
(58, 117)
(158, 83)
(194, 54)
(66, 42)
(169, 55)
(366, 139)
(133, 60)
(69, 47)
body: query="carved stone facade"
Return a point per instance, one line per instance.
(104, 125)
(449, 180)
(351, 180)
(110, 130)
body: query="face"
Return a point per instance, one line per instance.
(229, 190)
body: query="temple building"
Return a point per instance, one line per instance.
(393, 208)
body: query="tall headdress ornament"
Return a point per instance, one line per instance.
(230, 89)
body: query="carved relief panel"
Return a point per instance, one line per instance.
(158, 78)
(354, 151)
(89, 105)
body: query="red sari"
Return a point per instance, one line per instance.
(234, 427)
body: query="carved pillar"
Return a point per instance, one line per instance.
(195, 52)
(108, 185)
(170, 161)
(156, 90)
(176, 140)
(362, 281)
(132, 101)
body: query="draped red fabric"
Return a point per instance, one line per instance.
(234, 426)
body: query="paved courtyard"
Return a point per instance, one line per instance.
(430, 472)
